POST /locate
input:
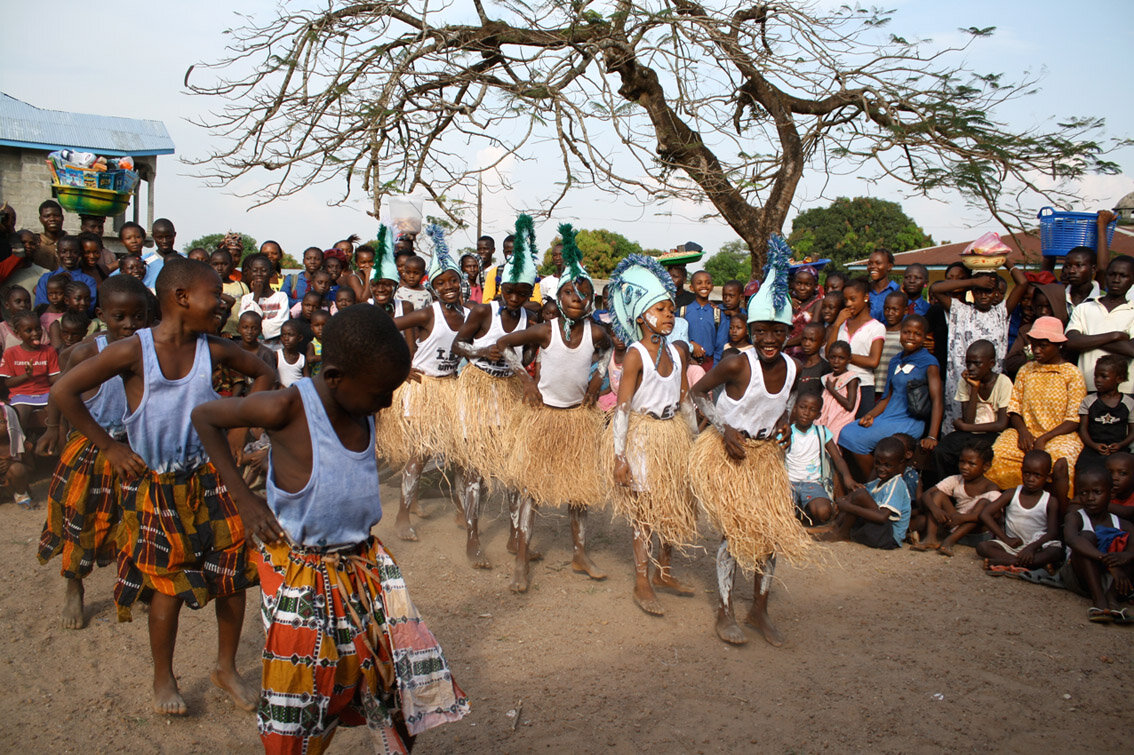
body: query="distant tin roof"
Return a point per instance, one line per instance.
(24, 125)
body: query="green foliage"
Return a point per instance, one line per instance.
(602, 251)
(850, 229)
(211, 242)
(732, 262)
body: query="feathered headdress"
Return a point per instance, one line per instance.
(385, 268)
(522, 266)
(772, 303)
(637, 284)
(441, 261)
(573, 268)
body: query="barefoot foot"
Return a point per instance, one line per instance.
(243, 695)
(946, 550)
(582, 564)
(928, 545)
(476, 555)
(760, 621)
(405, 531)
(168, 699)
(647, 600)
(728, 630)
(666, 581)
(521, 577)
(73, 605)
(419, 511)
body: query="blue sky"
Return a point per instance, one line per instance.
(136, 70)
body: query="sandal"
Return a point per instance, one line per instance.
(1120, 616)
(1099, 615)
(1002, 570)
(24, 501)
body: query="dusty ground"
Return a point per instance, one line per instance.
(889, 652)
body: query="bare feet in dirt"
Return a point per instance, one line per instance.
(243, 695)
(582, 564)
(665, 580)
(521, 576)
(532, 555)
(946, 550)
(73, 605)
(403, 527)
(760, 620)
(476, 555)
(419, 511)
(646, 599)
(168, 699)
(728, 630)
(928, 545)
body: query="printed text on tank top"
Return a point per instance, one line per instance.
(496, 330)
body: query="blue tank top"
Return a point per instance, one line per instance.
(159, 428)
(108, 405)
(340, 502)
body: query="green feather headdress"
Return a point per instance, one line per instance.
(522, 267)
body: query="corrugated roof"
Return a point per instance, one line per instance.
(24, 125)
(946, 254)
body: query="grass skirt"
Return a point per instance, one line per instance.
(419, 421)
(487, 423)
(659, 498)
(749, 501)
(345, 646)
(82, 510)
(558, 454)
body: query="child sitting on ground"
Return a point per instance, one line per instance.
(983, 395)
(841, 394)
(1024, 522)
(812, 367)
(29, 369)
(13, 472)
(1121, 468)
(955, 504)
(813, 450)
(893, 312)
(315, 547)
(1106, 417)
(292, 362)
(1100, 561)
(412, 272)
(55, 306)
(877, 515)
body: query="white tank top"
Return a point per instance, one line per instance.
(757, 411)
(495, 333)
(1026, 524)
(290, 373)
(564, 372)
(656, 395)
(434, 355)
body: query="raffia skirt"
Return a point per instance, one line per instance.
(486, 425)
(419, 422)
(558, 457)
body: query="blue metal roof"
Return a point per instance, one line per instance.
(24, 125)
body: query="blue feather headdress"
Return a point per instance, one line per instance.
(772, 302)
(637, 284)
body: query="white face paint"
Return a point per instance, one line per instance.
(652, 319)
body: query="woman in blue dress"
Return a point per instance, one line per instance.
(892, 414)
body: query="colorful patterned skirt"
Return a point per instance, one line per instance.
(82, 510)
(346, 646)
(181, 536)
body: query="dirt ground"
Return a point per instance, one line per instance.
(886, 652)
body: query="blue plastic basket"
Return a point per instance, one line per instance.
(1060, 232)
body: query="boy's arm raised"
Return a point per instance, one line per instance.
(118, 358)
(271, 411)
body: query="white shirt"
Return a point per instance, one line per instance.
(1091, 319)
(860, 344)
(273, 309)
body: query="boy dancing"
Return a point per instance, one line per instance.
(181, 534)
(345, 644)
(558, 451)
(737, 469)
(82, 501)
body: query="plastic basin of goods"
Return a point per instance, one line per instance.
(1060, 232)
(90, 201)
(982, 262)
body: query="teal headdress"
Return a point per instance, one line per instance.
(441, 260)
(572, 257)
(385, 268)
(521, 268)
(637, 284)
(772, 303)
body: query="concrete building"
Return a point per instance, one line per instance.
(28, 134)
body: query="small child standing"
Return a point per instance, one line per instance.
(315, 550)
(269, 304)
(291, 362)
(411, 289)
(29, 369)
(893, 312)
(1024, 522)
(319, 319)
(1100, 546)
(866, 337)
(955, 504)
(1106, 417)
(840, 390)
(813, 451)
(55, 307)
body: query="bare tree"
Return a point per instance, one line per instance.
(657, 98)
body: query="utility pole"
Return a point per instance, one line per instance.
(479, 203)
